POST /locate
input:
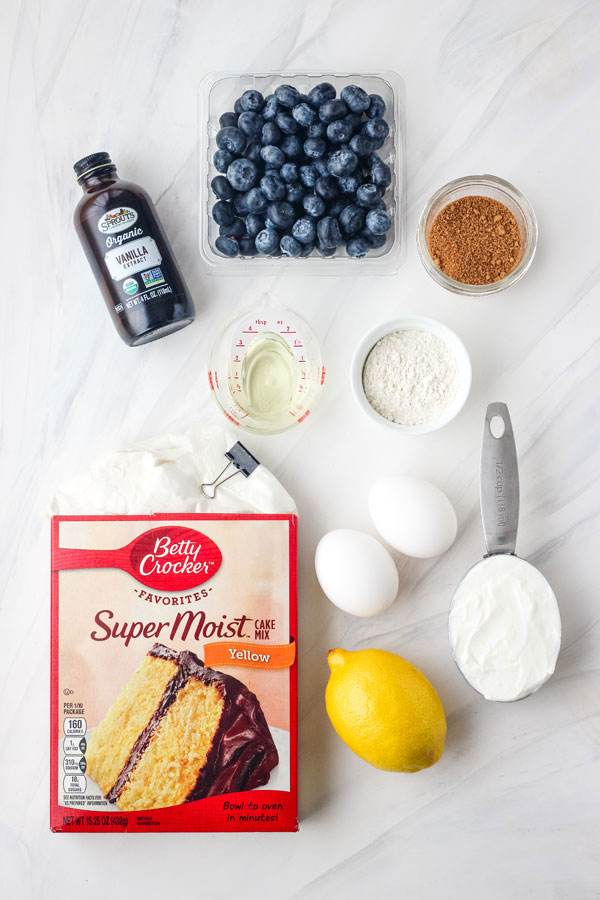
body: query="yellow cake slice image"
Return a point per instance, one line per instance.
(179, 732)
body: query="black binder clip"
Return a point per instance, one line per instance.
(242, 460)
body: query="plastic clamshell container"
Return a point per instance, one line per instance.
(217, 94)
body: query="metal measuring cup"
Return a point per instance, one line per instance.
(499, 497)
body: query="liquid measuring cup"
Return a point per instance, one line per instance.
(266, 370)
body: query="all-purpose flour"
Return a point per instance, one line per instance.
(410, 377)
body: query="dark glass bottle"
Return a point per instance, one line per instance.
(129, 253)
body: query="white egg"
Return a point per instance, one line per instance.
(413, 515)
(356, 572)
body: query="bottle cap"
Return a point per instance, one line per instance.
(93, 161)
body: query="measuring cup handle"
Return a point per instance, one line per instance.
(499, 481)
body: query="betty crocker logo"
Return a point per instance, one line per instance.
(174, 558)
(170, 558)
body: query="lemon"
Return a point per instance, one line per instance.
(385, 710)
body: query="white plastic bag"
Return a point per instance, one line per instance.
(163, 475)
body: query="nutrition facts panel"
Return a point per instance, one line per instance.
(74, 762)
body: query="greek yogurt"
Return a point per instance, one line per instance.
(505, 628)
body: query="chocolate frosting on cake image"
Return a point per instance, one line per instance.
(179, 732)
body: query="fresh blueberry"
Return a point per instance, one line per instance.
(379, 221)
(287, 95)
(271, 133)
(352, 218)
(314, 206)
(228, 246)
(376, 108)
(315, 147)
(266, 240)
(271, 226)
(304, 115)
(326, 251)
(250, 123)
(256, 200)
(320, 165)
(228, 120)
(377, 130)
(232, 139)
(247, 246)
(307, 249)
(375, 240)
(273, 156)
(252, 100)
(308, 176)
(281, 213)
(358, 247)
(223, 212)
(328, 232)
(326, 187)
(236, 229)
(304, 230)
(270, 109)
(339, 132)
(320, 93)
(240, 203)
(221, 187)
(287, 123)
(221, 160)
(290, 246)
(252, 151)
(361, 145)
(369, 195)
(292, 146)
(349, 184)
(335, 208)
(342, 162)
(295, 194)
(289, 172)
(332, 109)
(254, 223)
(357, 99)
(237, 106)
(272, 187)
(354, 120)
(319, 129)
(381, 173)
(242, 174)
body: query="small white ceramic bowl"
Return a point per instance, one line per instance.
(412, 323)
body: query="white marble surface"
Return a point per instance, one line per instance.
(510, 88)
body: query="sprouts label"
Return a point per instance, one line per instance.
(117, 220)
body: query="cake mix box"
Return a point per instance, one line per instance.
(173, 681)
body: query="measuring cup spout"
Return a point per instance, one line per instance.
(499, 481)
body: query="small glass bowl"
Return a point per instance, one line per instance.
(479, 186)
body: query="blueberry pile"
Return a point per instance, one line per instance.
(300, 172)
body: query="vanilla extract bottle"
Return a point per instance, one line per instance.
(129, 253)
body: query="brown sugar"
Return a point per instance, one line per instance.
(475, 240)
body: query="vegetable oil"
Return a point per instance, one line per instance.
(268, 378)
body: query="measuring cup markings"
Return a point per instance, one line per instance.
(256, 379)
